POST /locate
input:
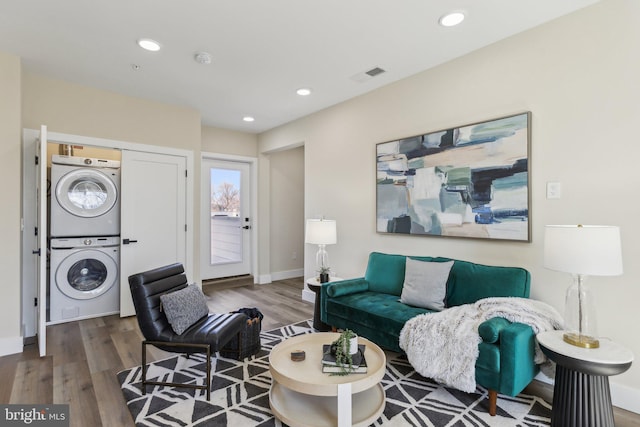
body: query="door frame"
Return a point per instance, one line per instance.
(253, 188)
(31, 135)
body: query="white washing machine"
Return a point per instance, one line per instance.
(84, 278)
(85, 197)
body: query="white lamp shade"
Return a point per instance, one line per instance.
(321, 232)
(592, 250)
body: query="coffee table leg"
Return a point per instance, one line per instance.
(344, 405)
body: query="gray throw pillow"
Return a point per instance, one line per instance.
(185, 307)
(425, 283)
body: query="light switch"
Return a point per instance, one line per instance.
(554, 190)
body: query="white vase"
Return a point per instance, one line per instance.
(353, 345)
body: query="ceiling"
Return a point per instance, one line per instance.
(262, 50)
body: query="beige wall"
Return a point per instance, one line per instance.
(286, 228)
(223, 141)
(10, 152)
(81, 110)
(581, 84)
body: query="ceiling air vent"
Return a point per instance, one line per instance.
(374, 71)
(367, 75)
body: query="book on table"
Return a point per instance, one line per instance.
(358, 361)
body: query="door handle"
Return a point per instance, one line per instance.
(127, 241)
(246, 227)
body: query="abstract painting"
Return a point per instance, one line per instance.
(469, 181)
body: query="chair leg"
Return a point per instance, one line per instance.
(204, 348)
(144, 368)
(208, 373)
(493, 402)
(239, 344)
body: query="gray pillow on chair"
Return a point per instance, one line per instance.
(185, 307)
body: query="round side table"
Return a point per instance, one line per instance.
(315, 286)
(581, 395)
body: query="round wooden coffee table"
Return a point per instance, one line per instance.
(302, 395)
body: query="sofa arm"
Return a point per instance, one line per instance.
(347, 287)
(342, 287)
(516, 343)
(490, 330)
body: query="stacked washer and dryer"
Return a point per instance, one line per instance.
(85, 243)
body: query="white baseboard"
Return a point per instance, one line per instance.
(622, 396)
(280, 275)
(263, 279)
(11, 345)
(308, 295)
(289, 274)
(543, 378)
(625, 397)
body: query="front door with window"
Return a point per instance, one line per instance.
(225, 221)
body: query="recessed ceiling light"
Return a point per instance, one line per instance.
(304, 91)
(452, 19)
(148, 44)
(135, 67)
(248, 119)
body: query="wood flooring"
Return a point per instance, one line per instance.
(83, 357)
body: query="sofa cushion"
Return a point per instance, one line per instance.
(184, 307)
(425, 283)
(469, 282)
(375, 311)
(385, 273)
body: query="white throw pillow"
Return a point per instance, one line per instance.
(425, 283)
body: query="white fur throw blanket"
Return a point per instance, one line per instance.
(444, 345)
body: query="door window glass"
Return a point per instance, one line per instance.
(226, 236)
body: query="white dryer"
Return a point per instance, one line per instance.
(85, 197)
(84, 278)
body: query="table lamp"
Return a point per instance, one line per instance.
(582, 250)
(321, 232)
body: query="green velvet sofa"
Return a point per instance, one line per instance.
(371, 307)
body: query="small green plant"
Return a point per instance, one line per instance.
(324, 270)
(323, 275)
(340, 349)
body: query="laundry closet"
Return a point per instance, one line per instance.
(94, 212)
(84, 232)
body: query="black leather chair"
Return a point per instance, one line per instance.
(207, 335)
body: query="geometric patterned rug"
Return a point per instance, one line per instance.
(240, 394)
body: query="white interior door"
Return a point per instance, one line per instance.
(153, 217)
(30, 242)
(41, 208)
(225, 226)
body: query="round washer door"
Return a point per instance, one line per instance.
(86, 274)
(86, 193)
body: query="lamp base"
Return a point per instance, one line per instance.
(578, 340)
